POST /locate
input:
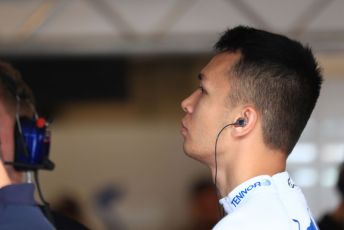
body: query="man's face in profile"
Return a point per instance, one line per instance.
(207, 108)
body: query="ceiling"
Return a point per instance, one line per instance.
(159, 26)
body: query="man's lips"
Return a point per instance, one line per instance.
(183, 129)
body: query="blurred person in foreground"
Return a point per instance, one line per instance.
(18, 209)
(335, 219)
(254, 99)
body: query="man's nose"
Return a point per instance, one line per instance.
(187, 103)
(184, 105)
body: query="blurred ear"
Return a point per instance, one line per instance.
(250, 116)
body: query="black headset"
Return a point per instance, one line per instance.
(32, 136)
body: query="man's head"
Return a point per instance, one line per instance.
(11, 85)
(277, 78)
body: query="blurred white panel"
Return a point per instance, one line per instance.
(77, 17)
(303, 153)
(143, 15)
(331, 18)
(328, 177)
(332, 128)
(305, 177)
(209, 17)
(14, 13)
(280, 15)
(333, 153)
(183, 26)
(330, 105)
(310, 131)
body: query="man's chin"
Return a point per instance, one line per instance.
(194, 154)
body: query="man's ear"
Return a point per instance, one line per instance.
(246, 122)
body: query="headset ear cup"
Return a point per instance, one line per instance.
(21, 153)
(32, 146)
(20, 145)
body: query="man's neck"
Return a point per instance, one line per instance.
(233, 171)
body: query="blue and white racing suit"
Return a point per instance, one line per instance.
(266, 203)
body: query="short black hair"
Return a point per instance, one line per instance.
(11, 86)
(279, 76)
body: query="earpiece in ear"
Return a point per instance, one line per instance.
(240, 122)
